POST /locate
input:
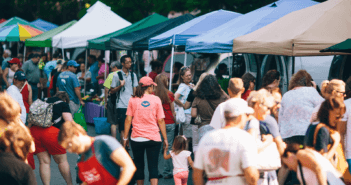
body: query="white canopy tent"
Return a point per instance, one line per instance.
(98, 21)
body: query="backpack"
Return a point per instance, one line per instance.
(41, 113)
(115, 96)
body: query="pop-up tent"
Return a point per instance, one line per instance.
(103, 42)
(301, 33)
(99, 21)
(344, 47)
(45, 39)
(220, 40)
(17, 20)
(179, 35)
(140, 39)
(46, 26)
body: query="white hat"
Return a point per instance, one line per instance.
(236, 107)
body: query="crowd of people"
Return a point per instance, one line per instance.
(222, 130)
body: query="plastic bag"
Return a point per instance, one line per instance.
(80, 118)
(180, 118)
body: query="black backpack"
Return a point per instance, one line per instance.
(115, 96)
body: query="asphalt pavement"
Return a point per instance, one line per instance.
(57, 179)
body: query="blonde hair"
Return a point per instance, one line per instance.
(262, 97)
(327, 86)
(203, 75)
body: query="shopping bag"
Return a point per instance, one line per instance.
(102, 126)
(180, 118)
(80, 118)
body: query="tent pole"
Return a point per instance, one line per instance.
(293, 66)
(18, 46)
(63, 54)
(148, 61)
(24, 54)
(230, 67)
(86, 61)
(185, 55)
(171, 72)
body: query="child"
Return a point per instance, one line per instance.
(180, 159)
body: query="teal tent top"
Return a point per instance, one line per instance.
(44, 40)
(103, 42)
(344, 47)
(17, 20)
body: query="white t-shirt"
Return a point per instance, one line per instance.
(180, 161)
(14, 92)
(218, 120)
(310, 177)
(226, 152)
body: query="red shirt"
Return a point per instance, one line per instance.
(25, 96)
(167, 109)
(153, 75)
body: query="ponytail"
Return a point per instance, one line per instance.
(140, 91)
(324, 85)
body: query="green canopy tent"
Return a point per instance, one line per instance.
(45, 39)
(344, 47)
(103, 42)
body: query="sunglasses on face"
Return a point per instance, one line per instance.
(344, 93)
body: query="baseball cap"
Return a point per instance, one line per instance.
(14, 61)
(236, 107)
(19, 75)
(72, 63)
(146, 81)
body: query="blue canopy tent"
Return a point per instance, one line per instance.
(180, 34)
(220, 39)
(46, 26)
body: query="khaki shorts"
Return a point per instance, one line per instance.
(74, 107)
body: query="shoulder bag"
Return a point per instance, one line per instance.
(198, 119)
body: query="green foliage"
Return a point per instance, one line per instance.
(62, 11)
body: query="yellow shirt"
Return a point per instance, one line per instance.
(108, 80)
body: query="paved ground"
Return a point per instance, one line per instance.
(56, 178)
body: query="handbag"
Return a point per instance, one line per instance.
(198, 119)
(269, 158)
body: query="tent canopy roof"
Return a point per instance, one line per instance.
(103, 42)
(197, 26)
(344, 46)
(220, 40)
(46, 26)
(99, 20)
(45, 39)
(140, 39)
(301, 33)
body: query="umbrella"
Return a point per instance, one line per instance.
(301, 33)
(18, 32)
(17, 20)
(46, 26)
(344, 47)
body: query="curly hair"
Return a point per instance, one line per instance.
(10, 110)
(17, 140)
(329, 105)
(262, 96)
(209, 88)
(301, 78)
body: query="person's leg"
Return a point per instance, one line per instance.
(177, 179)
(34, 92)
(138, 149)
(114, 131)
(44, 167)
(61, 161)
(195, 132)
(121, 119)
(168, 166)
(152, 153)
(184, 177)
